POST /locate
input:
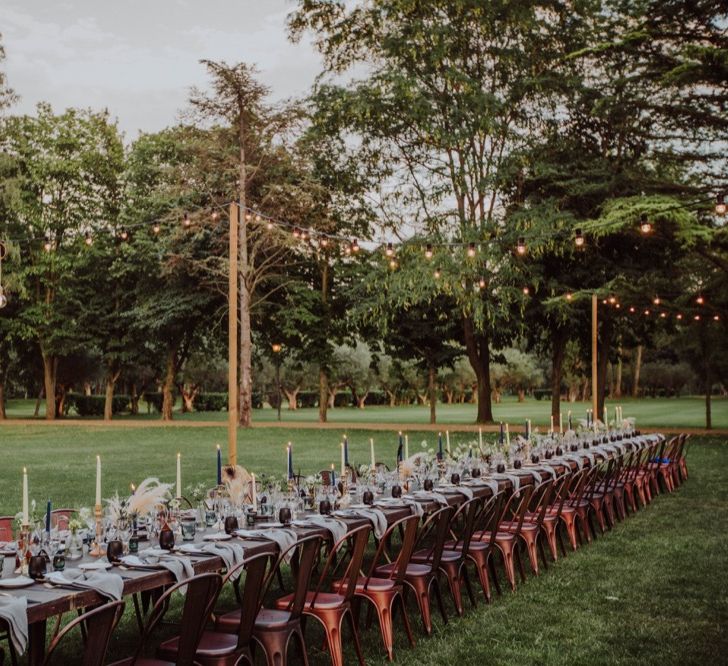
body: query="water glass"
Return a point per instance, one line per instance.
(188, 529)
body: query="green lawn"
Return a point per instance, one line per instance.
(653, 591)
(649, 412)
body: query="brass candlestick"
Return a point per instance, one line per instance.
(95, 550)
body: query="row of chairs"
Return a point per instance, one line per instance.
(412, 558)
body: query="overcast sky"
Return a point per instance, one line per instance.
(138, 58)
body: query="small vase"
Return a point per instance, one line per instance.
(75, 547)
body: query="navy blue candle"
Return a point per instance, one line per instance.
(48, 516)
(439, 446)
(399, 449)
(219, 466)
(346, 450)
(502, 432)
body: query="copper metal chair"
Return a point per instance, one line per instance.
(480, 548)
(201, 592)
(454, 558)
(61, 517)
(6, 528)
(383, 591)
(508, 530)
(331, 608)
(532, 523)
(552, 516)
(230, 642)
(98, 624)
(421, 575)
(274, 628)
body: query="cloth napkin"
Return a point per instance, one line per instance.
(431, 497)
(337, 528)
(14, 610)
(109, 585)
(230, 553)
(181, 567)
(515, 480)
(482, 481)
(283, 537)
(374, 516)
(388, 502)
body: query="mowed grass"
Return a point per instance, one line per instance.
(652, 591)
(683, 412)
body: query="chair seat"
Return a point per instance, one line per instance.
(375, 585)
(474, 545)
(324, 600)
(414, 569)
(271, 618)
(500, 536)
(525, 527)
(212, 644)
(424, 556)
(229, 622)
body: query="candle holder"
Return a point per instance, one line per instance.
(95, 549)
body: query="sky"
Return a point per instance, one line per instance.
(139, 58)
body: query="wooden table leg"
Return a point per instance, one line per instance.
(36, 643)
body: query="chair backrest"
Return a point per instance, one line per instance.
(409, 536)
(251, 600)
(61, 517)
(434, 533)
(201, 593)
(561, 490)
(541, 499)
(489, 517)
(302, 555)
(354, 543)
(6, 528)
(515, 508)
(99, 624)
(464, 522)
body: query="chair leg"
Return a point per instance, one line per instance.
(481, 566)
(570, 524)
(506, 550)
(494, 574)
(453, 580)
(542, 550)
(530, 541)
(405, 619)
(355, 633)
(468, 585)
(438, 597)
(519, 561)
(421, 588)
(549, 529)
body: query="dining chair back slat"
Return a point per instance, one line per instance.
(98, 625)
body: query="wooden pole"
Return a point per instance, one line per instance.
(595, 397)
(233, 338)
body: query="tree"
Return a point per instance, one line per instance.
(66, 175)
(258, 133)
(450, 89)
(425, 333)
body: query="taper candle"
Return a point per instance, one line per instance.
(25, 497)
(447, 442)
(98, 480)
(371, 448)
(508, 436)
(343, 461)
(179, 475)
(253, 492)
(406, 446)
(219, 466)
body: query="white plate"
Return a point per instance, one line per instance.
(263, 525)
(94, 566)
(18, 581)
(217, 536)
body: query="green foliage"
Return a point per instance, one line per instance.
(93, 405)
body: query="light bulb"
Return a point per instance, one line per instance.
(156, 228)
(700, 300)
(355, 246)
(471, 250)
(389, 251)
(720, 205)
(579, 239)
(186, 220)
(526, 291)
(645, 225)
(569, 296)
(482, 283)
(215, 216)
(124, 235)
(437, 273)
(656, 300)
(521, 246)
(428, 251)
(89, 240)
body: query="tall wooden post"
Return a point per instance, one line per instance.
(595, 375)
(233, 337)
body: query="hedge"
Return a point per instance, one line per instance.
(211, 402)
(93, 405)
(154, 400)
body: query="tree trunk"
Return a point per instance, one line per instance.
(449, 395)
(134, 400)
(38, 400)
(3, 415)
(109, 400)
(50, 365)
(168, 386)
(323, 394)
(361, 400)
(636, 371)
(521, 395)
(432, 391)
(477, 346)
(558, 349)
(332, 397)
(618, 381)
(292, 398)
